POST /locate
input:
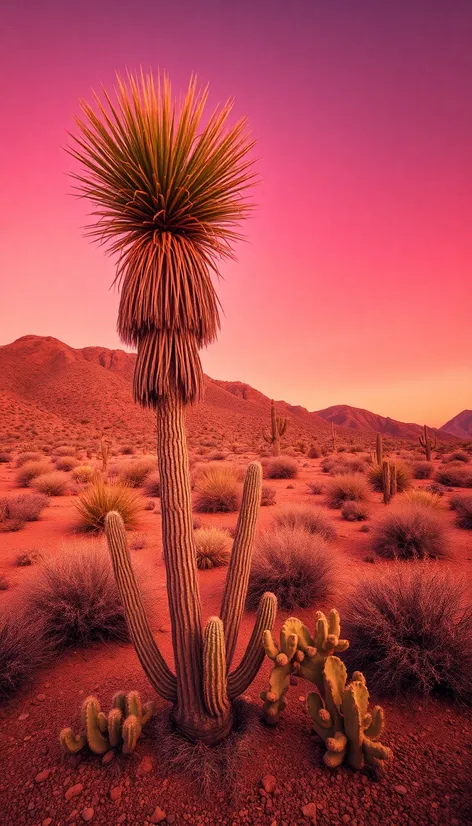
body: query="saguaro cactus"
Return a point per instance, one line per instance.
(203, 686)
(105, 445)
(379, 449)
(427, 443)
(386, 481)
(278, 429)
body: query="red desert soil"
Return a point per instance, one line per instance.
(427, 783)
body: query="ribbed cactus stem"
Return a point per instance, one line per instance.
(244, 674)
(214, 669)
(427, 443)
(379, 449)
(393, 480)
(237, 579)
(278, 429)
(151, 659)
(386, 481)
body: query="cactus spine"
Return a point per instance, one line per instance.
(203, 687)
(278, 429)
(122, 726)
(379, 449)
(427, 443)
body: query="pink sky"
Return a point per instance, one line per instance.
(355, 284)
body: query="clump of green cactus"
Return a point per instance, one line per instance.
(341, 717)
(278, 429)
(427, 443)
(100, 732)
(299, 654)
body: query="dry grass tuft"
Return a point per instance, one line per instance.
(83, 473)
(66, 463)
(307, 518)
(213, 547)
(462, 504)
(280, 467)
(403, 477)
(268, 496)
(55, 483)
(422, 470)
(22, 651)
(411, 630)
(30, 470)
(349, 487)
(94, 503)
(424, 498)
(455, 475)
(20, 509)
(152, 485)
(135, 473)
(355, 512)
(217, 489)
(409, 532)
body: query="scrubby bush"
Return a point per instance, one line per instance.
(457, 456)
(314, 452)
(27, 558)
(409, 532)
(316, 487)
(137, 541)
(280, 467)
(411, 630)
(422, 470)
(66, 463)
(152, 484)
(403, 477)
(268, 496)
(463, 507)
(29, 471)
(54, 483)
(422, 497)
(127, 450)
(5, 458)
(95, 502)
(75, 599)
(217, 489)
(29, 456)
(349, 487)
(212, 547)
(300, 568)
(4, 585)
(337, 465)
(307, 518)
(355, 512)
(64, 450)
(21, 508)
(83, 473)
(135, 473)
(22, 652)
(455, 475)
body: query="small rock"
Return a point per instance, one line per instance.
(47, 821)
(269, 783)
(401, 789)
(40, 697)
(87, 814)
(170, 818)
(108, 757)
(158, 815)
(42, 776)
(116, 792)
(73, 791)
(23, 716)
(122, 818)
(145, 766)
(310, 811)
(301, 699)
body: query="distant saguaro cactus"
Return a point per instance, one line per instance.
(105, 445)
(278, 429)
(386, 483)
(333, 436)
(427, 443)
(379, 449)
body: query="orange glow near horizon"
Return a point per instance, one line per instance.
(355, 285)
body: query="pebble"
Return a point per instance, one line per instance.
(401, 789)
(23, 716)
(47, 821)
(145, 766)
(42, 776)
(158, 815)
(87, 814)
(108, 757)
(40, 697)
(310, 811)
(122, 818)
(116, 792)
(269, 783)
(73, 791)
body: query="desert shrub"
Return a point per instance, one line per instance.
(113, 472)
(422, 470)
(410, 631)
(27, 558)
(152, 484)
(137, 541)
(5, 458)
(355, 512)
(280, 467)
(316, 487)
(64, 450)
(66, 463)
(349, 487)
(463, 507)
(457, 456)
(212, 547)
(95, 502)
(306, 518)
(300, 568)
(22, 652)
(424, 498)
(150, 505)
(29, 471)
(54, 483)
(314, 452)
(83, 473)
(435, 487)
(134, 473)
(29, 456)
(337, 465)
(268, 496)
(409, 532)
(127, 450)
(75, 599)
(403, 477)
(217, 489)
(22, 508)
(4, 585)
(455, 476)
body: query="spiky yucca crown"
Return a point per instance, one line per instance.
(168, 193)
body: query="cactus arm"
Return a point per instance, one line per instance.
(131, 732)
(376, 725)
(353, 725)
(133, 704)
(152, 661)
(237, 579)
(214, 668)
(115, 722)
(376, 750)
(119, 701)
(242, 677)
(96, 739)
(320, 716)
(148, 711)
(72, 742)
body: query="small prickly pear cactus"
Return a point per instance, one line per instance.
(341, 717)
(122, 726)
(299, 654)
